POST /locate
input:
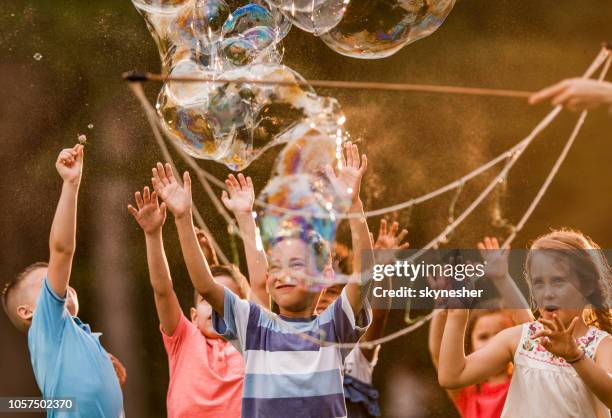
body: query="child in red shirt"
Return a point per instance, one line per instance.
(206, 372)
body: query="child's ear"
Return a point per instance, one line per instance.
(25, 312)
(193, 313)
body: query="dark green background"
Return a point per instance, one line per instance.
(415, 142)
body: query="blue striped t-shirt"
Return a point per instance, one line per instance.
(286, 374)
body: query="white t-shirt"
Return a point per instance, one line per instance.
(357, 366)
(544, 385)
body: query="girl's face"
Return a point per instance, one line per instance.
(555, 287)
(291, 262)
(486, 327)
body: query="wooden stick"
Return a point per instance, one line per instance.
(360, 85)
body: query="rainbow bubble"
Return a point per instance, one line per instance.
(373, 29)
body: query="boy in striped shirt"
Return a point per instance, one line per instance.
(285, 373)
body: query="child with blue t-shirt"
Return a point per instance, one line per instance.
(292, 365)
(67, 358)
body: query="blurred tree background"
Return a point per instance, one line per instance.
(415, 143)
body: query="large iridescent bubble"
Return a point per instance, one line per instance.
(301, 201)
(234, 122)
(302, 206)
(373, 29)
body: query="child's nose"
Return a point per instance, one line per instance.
(549, 293)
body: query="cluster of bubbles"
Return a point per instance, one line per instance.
(223, 43)
(366, 29)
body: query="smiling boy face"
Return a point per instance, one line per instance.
(291, 262)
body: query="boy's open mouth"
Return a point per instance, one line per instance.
(551, 308)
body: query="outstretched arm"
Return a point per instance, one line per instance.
(151, 216)
(178, 200)
(347, 183)
(438, 322)
(388, 239)
(455, 370)
(240, 201)
(436, 332)
(62, 240)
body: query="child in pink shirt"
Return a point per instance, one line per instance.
(206, 372)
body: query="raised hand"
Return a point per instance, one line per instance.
(150, 215)
(388, 238)
(495, 259)
(241, 194)
(177, 198)
(69, 164)
(558, 339)
(347, 181)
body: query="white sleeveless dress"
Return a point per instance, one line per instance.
(544, 385)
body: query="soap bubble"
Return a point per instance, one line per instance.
(298, 192)
(234, 122)
(208, 19)
(302, 206)
(315, 16)
(308, 153)
(250, 47)
(247, 17)
(373, 29)
(37, 56)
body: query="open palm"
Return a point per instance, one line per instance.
(347, 181)
(150, 215)
(557, 338)
(176, 197)
(241, 194)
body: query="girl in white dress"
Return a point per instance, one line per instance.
(562, 363)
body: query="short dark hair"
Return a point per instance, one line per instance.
(231, 271)
(10, 286)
